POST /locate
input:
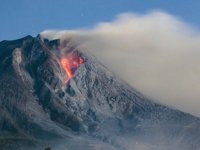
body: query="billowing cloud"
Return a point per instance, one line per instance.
(156, 53)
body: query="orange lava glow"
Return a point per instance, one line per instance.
(70, 64)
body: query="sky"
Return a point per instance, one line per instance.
(19, 18)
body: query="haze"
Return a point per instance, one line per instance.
(156, 53)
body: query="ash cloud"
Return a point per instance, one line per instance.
(156, 53)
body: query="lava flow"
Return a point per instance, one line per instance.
(70, 63)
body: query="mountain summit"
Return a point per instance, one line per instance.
(53, 94)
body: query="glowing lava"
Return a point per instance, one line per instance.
(70, 63)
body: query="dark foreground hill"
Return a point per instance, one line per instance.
(94, 110)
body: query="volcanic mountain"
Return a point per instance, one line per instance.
(53, 94)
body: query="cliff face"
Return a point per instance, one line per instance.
(94, 108)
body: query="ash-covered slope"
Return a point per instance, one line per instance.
(93, 110)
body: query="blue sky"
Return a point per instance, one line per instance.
(19, 18)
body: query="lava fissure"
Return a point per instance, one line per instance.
(70, 63)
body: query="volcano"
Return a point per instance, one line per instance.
(55, 95)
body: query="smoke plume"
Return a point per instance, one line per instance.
(156, 53)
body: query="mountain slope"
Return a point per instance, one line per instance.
(93, 110)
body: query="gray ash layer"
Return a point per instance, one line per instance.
(95, 110)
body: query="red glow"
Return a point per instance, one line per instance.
(70, 63)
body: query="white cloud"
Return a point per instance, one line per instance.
(156, 53)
